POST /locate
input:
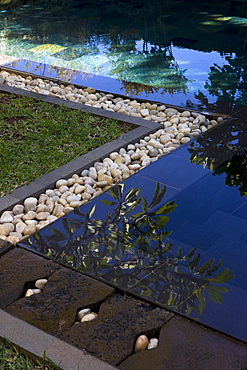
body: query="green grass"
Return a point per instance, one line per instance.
(12, 359)
(37, 137)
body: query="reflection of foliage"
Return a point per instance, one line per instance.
(228, 82)
(216, 147)
(131, 89)
(181, 283)
(128, 250)
(156, 68)
(236, 172)
(224, 153)
(130, 36)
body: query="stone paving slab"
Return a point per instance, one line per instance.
(121, 319)
(184, 345)
(110, 337)
(18, 267)
(54, 310)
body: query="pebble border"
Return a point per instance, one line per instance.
(176, 127)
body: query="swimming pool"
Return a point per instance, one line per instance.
(181, 50)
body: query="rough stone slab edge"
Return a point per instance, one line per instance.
(38, 186)
(36, 343)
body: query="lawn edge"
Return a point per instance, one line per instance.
(36, 187)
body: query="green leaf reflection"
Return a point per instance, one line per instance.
(129, 249)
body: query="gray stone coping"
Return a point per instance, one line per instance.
(38, 344)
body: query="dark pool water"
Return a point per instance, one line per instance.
(191, 50)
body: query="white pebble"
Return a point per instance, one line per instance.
(6, 217)
(141, 343)
(153, 343)
(82, 313)
(40, 283)
(89, 317)
(29, 292)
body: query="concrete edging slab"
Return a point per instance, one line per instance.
(38, 344)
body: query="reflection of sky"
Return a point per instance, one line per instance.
(139, 46)
(197, 65)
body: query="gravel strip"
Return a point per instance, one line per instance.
(177, 127)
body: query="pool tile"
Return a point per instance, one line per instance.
(241, 210)
(227, 224)
(148, 185)
(199, 236)
(233, 200)
(182, 152)
(232, 250)
(174, 171)
(48, 49)
(242, 282)
(198, 201)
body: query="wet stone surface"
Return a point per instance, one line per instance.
(54, 309)
(5, 246)
(185, 345)
(17, 267)
(111, 336)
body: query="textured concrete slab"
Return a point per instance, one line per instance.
(18, 267)
(8, 201)
(71, 358)
(112, 335)
(54, 310)
(186, 345)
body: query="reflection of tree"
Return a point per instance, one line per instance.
(133, 33)
(128, 250)
(156, 67)
(236, 172)
(218, 145)
(228, 82)
(224, 152)
(131, 89)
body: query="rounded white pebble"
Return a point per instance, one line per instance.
(40, 283)
(83, 313)
(29, 292)
(89, 317)
(153, 343)
(141, 343)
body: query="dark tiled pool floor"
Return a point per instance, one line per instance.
(208, 284)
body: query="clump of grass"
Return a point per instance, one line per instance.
(37, 137)
(12, 359)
